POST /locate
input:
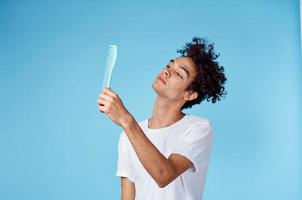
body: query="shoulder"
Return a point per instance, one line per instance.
(197, 121)
(199, 127)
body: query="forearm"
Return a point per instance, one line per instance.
(156, 164)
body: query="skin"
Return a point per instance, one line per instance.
(171, 96)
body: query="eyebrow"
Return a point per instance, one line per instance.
(182, 67)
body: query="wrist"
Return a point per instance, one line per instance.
(127, 121)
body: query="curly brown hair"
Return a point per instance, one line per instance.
(209, 80)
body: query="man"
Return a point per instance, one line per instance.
(166, 157)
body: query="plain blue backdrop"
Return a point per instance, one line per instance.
(56, 145)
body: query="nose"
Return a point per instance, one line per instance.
(166, 73)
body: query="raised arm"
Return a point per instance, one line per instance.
(163, 170)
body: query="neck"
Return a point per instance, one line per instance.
(165, 113)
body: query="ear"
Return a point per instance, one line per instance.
(190, 95)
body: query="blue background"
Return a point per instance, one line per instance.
(55, 144)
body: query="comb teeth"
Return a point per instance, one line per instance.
(111, 59)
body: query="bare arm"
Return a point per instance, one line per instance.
(128, 189)
(163, 170)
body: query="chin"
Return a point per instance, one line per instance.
(155, 87)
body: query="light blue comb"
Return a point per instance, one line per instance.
(111, 60)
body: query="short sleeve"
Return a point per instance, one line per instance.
(196, 145)
(124, 166)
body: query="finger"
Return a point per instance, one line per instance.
(103, 97)
(106, 97)
(103, 102)
(110, 92)
(103, 109)
(102, 91)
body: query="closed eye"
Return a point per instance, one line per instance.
(179, 75)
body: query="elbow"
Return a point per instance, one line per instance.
(164, 180)
(162, 185)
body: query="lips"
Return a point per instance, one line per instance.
(161, 80)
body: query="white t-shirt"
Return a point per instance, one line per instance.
(191, 136)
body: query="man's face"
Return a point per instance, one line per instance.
(174, 78)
